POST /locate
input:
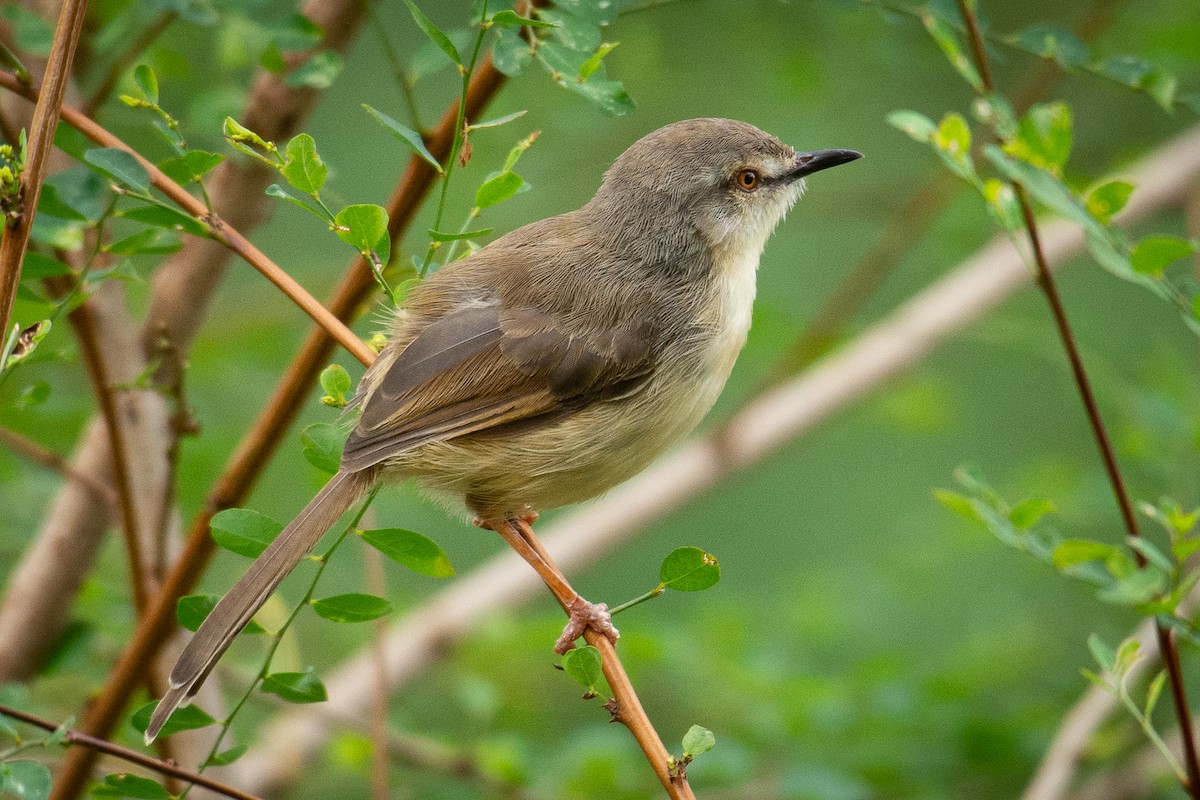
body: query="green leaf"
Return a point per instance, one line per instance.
(689, 569)
(120, 166)
(1155, 253)
(191, 166)
(438, 236)
(51, 202)
(151, 241)
(1107, 199)
(609, 96)
(352, 607)
(1151, 553)
(25, 779)
(498, 188)
(193, 609)
(323, 445)
(916, 125)
(304, 169)
(1026, 513)
(1056, 42)
(511, 54)
(38, 266)
(164, 217)
(497, 121)
(434, 33)
(1161, 85)
(582, 664)
(1048, 189)
(1002, 204)
(271, 59)
(275, 190)
(335, 381)
(1044, 136)
(126, 785)
(406, 135)
(227, 756)
(296, 687)
(245, 532)
(1105, 656)
(572, 31)
(410, 549)
(318, 72)
(30, 32)
(953, 141)
(1154, 691)
(698, 740)
(147, 81)
(184, 718)
(946, 39)
(1070, 552)
(362, 226)
(510, 19)
(1138, 587)
(594, 63)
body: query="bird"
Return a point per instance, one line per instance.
(557, 361)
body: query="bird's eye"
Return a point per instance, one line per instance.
(748, 180)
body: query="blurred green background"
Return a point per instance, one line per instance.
(863, 642)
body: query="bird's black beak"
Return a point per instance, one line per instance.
(817, 160)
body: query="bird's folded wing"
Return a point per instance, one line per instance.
(490, 371)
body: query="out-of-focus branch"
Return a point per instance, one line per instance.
(577, 539)
(260, 442)
(19, 223)
(53, 461)
(126, 57)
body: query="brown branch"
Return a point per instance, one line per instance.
(256, 448)
(132, 756)
(768, 423)
(219, 231)
(127, 56)
(1049, 289)
(18, 225)
(51, 460)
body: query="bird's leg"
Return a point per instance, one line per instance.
(520, 537)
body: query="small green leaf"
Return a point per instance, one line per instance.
(953, 138)
(689, 569)
(304, 169)
(245, 532)
(1078, 551)
(147, 81)
(271, 59)
(38, 266)
(193, 609)
(1044, 136)
(237, 132)
(151, 241)
(25, 779)
(318, 72)
(511, 54)
(406, 135)
(227, 756)
(410, 549)
(362, 226)
(1003, 204)
(275, 190)
(191, 166)
(497, 121)
(916, 125)
(1154, 691)
(120, 166)
(1105, 656)
(51, 202)
(184, 718)
(135, 786)
(438, 236)
(609, 96)
(946, 39)
(323, 445)
(698, 740)
(582, 664)
(1026, 513)
(352, 607)
(336, 383)
(434, 33)
(1054, 41)
(498, 188)
(1105, 200)
(572, 31)
(1150, 552)
(1140, 586)
(589, 67)
(510, 19)
(296, 687)
(164, 217)
(1155, 253)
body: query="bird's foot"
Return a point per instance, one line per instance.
(585, 615)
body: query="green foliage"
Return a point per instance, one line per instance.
(689, 569)
(336, 383)
(120, 167)
(410, 549)
(697, 741)
(24, 779)
(185, 718)
(296, 687)
(244, 531)
(582, 665)
(126, 785)
(406, 135)
(323, 445)
(352, 607)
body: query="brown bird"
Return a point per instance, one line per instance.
(557, 361)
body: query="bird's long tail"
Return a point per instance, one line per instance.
(247, 595)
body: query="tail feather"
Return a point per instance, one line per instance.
(247, 595)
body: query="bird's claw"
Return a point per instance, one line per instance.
(585, 615)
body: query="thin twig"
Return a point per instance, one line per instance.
(1049, 289)
(125, 754)
(258, 445)
(17, 227)
(219, 231)
(119, 65)
(53, 461)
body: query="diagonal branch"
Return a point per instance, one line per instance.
(768, 423)
(19, 224)
(51, 460)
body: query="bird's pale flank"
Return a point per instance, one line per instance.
(560, 359)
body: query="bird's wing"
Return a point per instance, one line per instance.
(490, 371)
